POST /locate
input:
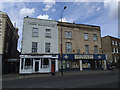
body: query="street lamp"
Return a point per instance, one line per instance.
(61, 43)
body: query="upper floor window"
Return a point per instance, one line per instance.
(117, 50)
(35, 32)
(68, 48)
(85, 36)
(112, 42)
(95, 49)
(115, 42)
(48, 33)
(86, 49)
(68, 34)
(47, 47)
(113, 50)
(94, 37)
(34, 46)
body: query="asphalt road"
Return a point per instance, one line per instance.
(99, 80)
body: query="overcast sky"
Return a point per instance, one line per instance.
(103, 14)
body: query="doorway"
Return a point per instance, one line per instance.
(36, 66)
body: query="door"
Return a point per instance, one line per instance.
(36, 66)
(53, 64)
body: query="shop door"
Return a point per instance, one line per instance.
(53, 64)
(36, 66)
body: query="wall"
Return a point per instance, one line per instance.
(42, 25)
(77, 39)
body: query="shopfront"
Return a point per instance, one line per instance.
(37, 63)
(83, 62)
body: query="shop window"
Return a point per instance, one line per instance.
(47, 47)
(95, 37)
(86, 49)
(35, 32)
(68, 34)
(34, 46)
(119, 43)
(48, 33)
(95, 49)
(28, 63)
(85, 36)
(68, 48)
(46, 61)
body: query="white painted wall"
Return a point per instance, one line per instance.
(41, 39)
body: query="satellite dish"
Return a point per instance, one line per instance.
(78, 51)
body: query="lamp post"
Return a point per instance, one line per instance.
(61, 43)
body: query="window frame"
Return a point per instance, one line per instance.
(68, 49)
(35, 33)
(48, 34)
(34, 47)
(85, 36)
(68, 34)
(95, 50)
(47, 47)
(95, 36)
(86, 49)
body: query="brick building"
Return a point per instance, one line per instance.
(80, 39)
(111, 47)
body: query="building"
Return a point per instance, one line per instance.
(8, 44)
(80, 45)
(39, 46)
(111, 47)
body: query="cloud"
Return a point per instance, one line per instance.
(98, 9)
(112, 6)
(26, 11)
(48, 4)
(44, 17)
(64, 20)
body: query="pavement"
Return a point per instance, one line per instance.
(8, 77)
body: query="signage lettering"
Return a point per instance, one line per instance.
(84, 57)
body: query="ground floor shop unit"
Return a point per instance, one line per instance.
(38, 64)
(83, 62)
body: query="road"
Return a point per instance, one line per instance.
(98, 80)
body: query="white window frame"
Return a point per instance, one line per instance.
(113, 50)
(34, 48)
(48, 33)
(47, 47)
(68, 47)
(35, 32)
(115, 42)
(85, 36)
(112, 42)
(117, 50)
(95, 37)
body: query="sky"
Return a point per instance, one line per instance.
(103, 13)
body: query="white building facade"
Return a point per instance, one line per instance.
(39, 46)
